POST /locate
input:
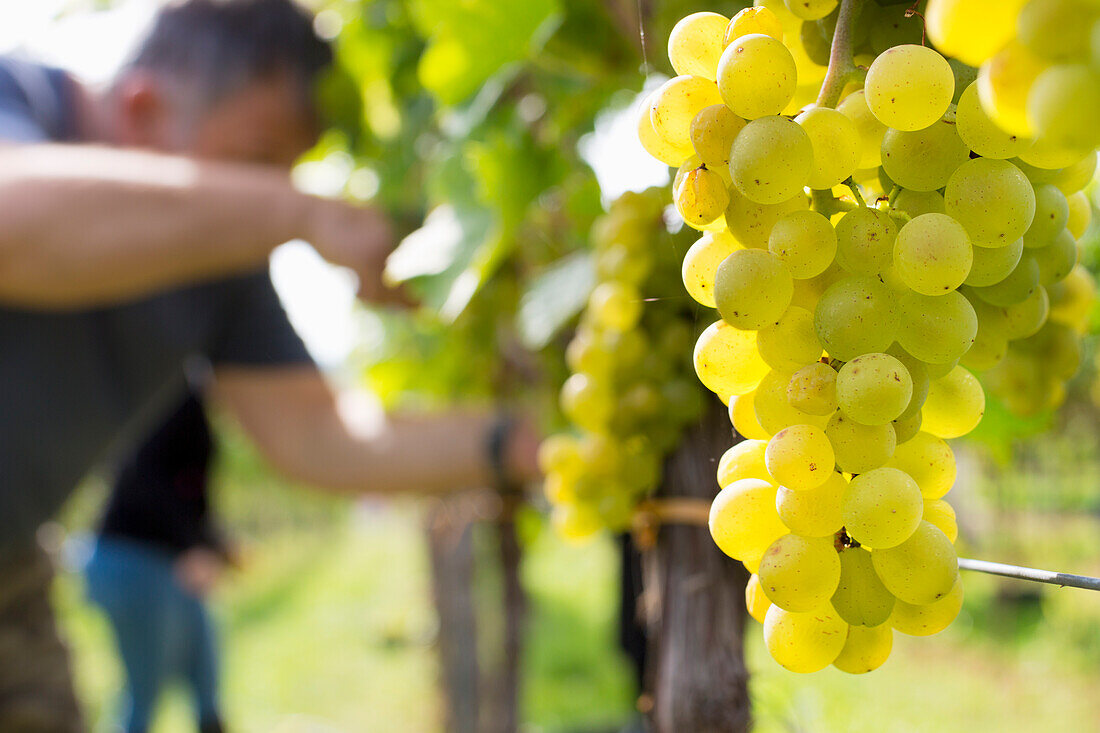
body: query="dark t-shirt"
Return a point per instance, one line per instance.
(74, 383)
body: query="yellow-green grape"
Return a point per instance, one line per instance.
(906, 426)
(619, 262)
(712, 133)
(865, 241)
(939, 513)
(744, 460)
(752, 288)
(931, 618)
(814, 512)
(915, 203)
(918, 372)
(1016, 287)
(920, 570)
(701, 197)
(614, 305)
(575, 522)
(1064, 104)
(882, 508)
(810, 9)
(871, 131)
(992, 199)
(836, 146)
(742, 411)
(1026, 318)
(805, 241)
(924, 159)
(807, 293)
(860, 598)
(751, 223)
(1075, 177)
(889, 27)
(1072, 299)
(971, 30)
(909, 87)
(743, 520)
(1057, 30)
(1056, 260)
(993, 264)
(755, 601)
(1047, 155)
(753, 20)
(675, 105)
(1003, 86)
(791, 342)
(774, 410)
(866, 649)
(799, 573)
(701, 265)
(695, 44)
(983, 135)
(932, 254)
(771, 159)
(587, 402)
(671, 154)
(559, 488)
(726, 360)
(855, 316)
(589, 352)
(800, 457)
(873, 389)
(936, 329)
(560, 454)
(804, 642)
(812, 389)
(1051, 215)
(756, 76)
(1080, 214)
(955, 404)
(990, 343)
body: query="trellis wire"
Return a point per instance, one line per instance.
(1038, 576)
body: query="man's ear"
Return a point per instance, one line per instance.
(142, 111)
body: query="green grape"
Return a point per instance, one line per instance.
(587, 402)
(744, 460)
(1057, 30)
(742, 411)
(866, 649)
(964, 77)
(1026, 318)
(726, 360)
(757, 76)
(812, 389)
(936, 329)
(932, 254)
(743, 521)
(939, 513)
(929, 461)
(983, 135)
(1017, 287)
(799, 573)
(753, 20)
(771, 159)
(800, 457)
(859, 448)
(752, 288)
(860, 598)
(931, 618)
(619, 262)
(1073, 178)
(865, 241)
(937, 371)
(955, 404)
(1058, 346)
(924, 159)
(906, 427)
(882, 508)
(871, 131)
(755, 601)
(909, 87)
(1003, 86)
(807, 293)
(813, 512)
(589, 353)
(855, 316)
(1051, 156)
(971, 30)
(791, 342)
(560, 454)
(671, 154)
(815, 39)
(873, 389)
(993, 264)
(774, 410)
(701, 197)
(915, 203)
(836, 145)
(752, 223)
(1080, 214)
(804, 642)
(1071, 300)
(575, 522)
(712, 133)
(1051, 215)
(918, 373)
(992, 199)
(695, 44)
(805, 241)
(892, 28)
(615, 306)
(810, 9)
(990, 343)
(675, 105)
(1057, 260)
(920, 570)
(701, 265)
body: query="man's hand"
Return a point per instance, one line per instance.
(198, 570)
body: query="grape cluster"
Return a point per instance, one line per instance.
(631, 392)
(849, 333)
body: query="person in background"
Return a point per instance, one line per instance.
(136, 223)
(157, 555)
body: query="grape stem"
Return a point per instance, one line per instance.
(855, 191)
(841, 67)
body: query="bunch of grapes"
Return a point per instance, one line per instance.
(849, 332)
(631, 392)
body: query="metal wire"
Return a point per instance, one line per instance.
(1038, 576)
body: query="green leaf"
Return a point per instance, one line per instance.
(554, 297)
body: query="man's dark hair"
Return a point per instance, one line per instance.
(224, 45)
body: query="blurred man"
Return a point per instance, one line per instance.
(135, 227)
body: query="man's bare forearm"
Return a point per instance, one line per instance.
(84, 225)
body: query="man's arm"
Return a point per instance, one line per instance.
(349, 445)
(84, 225)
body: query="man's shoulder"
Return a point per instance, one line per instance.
(36, 100)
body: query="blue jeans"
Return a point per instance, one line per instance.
(164, 633)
